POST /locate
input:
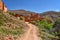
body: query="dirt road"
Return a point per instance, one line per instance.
(31, 33)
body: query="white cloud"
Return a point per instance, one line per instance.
(57, 10)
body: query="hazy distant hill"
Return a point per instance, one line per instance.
(22, 12)
(52, 14)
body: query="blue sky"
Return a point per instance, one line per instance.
(33, 5)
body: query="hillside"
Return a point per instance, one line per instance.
(48, 27)
(10, 26)
(27, 15)
(22, 12)
(51, 14)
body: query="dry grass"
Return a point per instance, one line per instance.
(10, 26)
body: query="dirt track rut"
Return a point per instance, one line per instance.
(31, 33)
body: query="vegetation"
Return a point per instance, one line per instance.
(21, 18)
(44, 24)
(46, 29)
(9, 25)
(4, 31)
(1, 18)
(56, 26)
(11, 13)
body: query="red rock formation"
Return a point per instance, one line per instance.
(30, 17)
(2, 6)
(17, 15)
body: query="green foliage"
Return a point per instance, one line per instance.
(1, 18)
(21, 18)
(9, 26)
(6, 30)
(44, 29)
(10, 31)
(44, 24)
(11, 13)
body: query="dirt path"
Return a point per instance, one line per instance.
(31, 33)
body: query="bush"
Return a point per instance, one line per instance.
(44, 24)
(21, 18)
(11, 13)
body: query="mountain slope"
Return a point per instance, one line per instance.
(22, 12)
(10, 26)
(51, 14)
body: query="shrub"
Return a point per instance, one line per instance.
(21, 18)
(44, 24)
(11, 13)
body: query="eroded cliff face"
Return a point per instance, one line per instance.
(29, 18)
(3, 6)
